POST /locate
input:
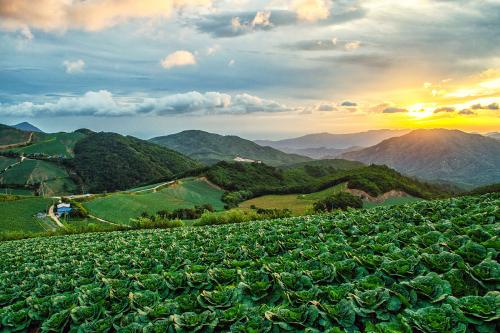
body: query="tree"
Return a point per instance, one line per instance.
(342, 200)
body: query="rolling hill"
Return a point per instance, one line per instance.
(451, 155)
(10, 135)
(109, 161)
(211, 148)
(327, 145)
(243, 181)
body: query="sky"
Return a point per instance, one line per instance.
(260, 69)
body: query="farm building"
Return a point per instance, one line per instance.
(63, 208)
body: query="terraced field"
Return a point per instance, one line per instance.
(427, 267)
(31, 172)
(19, 215)
(54, 144)
(121, 207)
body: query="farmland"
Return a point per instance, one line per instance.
(186, 193)
(55, 178)
(18, 215)
(300, 204)
(428, 267)
(54, 144)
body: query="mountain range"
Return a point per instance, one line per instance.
(328, 145)
(210, 148)
(438, 155)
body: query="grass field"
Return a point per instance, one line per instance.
(6, 161)
(55, 144)
(297, 203)
(121, 207)
(55, 178)
(15, 191)
(301, 203)
(18, 215)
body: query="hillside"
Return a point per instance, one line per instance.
(109, 162)
(27, 127)
(245, 181)
(211, 148)
(439, 154)
(425, 267)
(10, 135)
(327, 145)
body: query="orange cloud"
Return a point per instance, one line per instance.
(92, 15)
(311, 10)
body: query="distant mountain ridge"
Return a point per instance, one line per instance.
(438, 154)
(328, 145)
(27, 127)
(211, 148)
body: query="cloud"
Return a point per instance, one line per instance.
(321, 45)
(326, 107)
(73, 67)
(466, 112)
(103, 104)
(444, 109)
(394, 110)
(349, 104)
(231, 63)
(492, 106)
(352, 45)
(234, 24)
(54, 15)
(311, 10)
(177, 59)
(376, 61)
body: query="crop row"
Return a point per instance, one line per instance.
(429, 267)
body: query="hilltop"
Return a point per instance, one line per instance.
(438, 154)
(27, 127)
(110, 161)
(211, 148)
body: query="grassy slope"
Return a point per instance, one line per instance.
(30, 172)
(55, 144)
(297, 203)
(18, 215)
(10, 135)
(6, 161)
(121, 207)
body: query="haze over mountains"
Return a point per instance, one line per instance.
(328, 145)
(438, 154)
(211, 148)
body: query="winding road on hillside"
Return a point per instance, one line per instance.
(19, 144)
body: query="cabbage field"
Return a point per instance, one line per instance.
(424, 267)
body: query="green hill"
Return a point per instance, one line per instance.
(10, 135)
(54, 144)
(424, 267)
(43, 177)
(186, 193)
(247, 180)
(211, 148)
(110, 162)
